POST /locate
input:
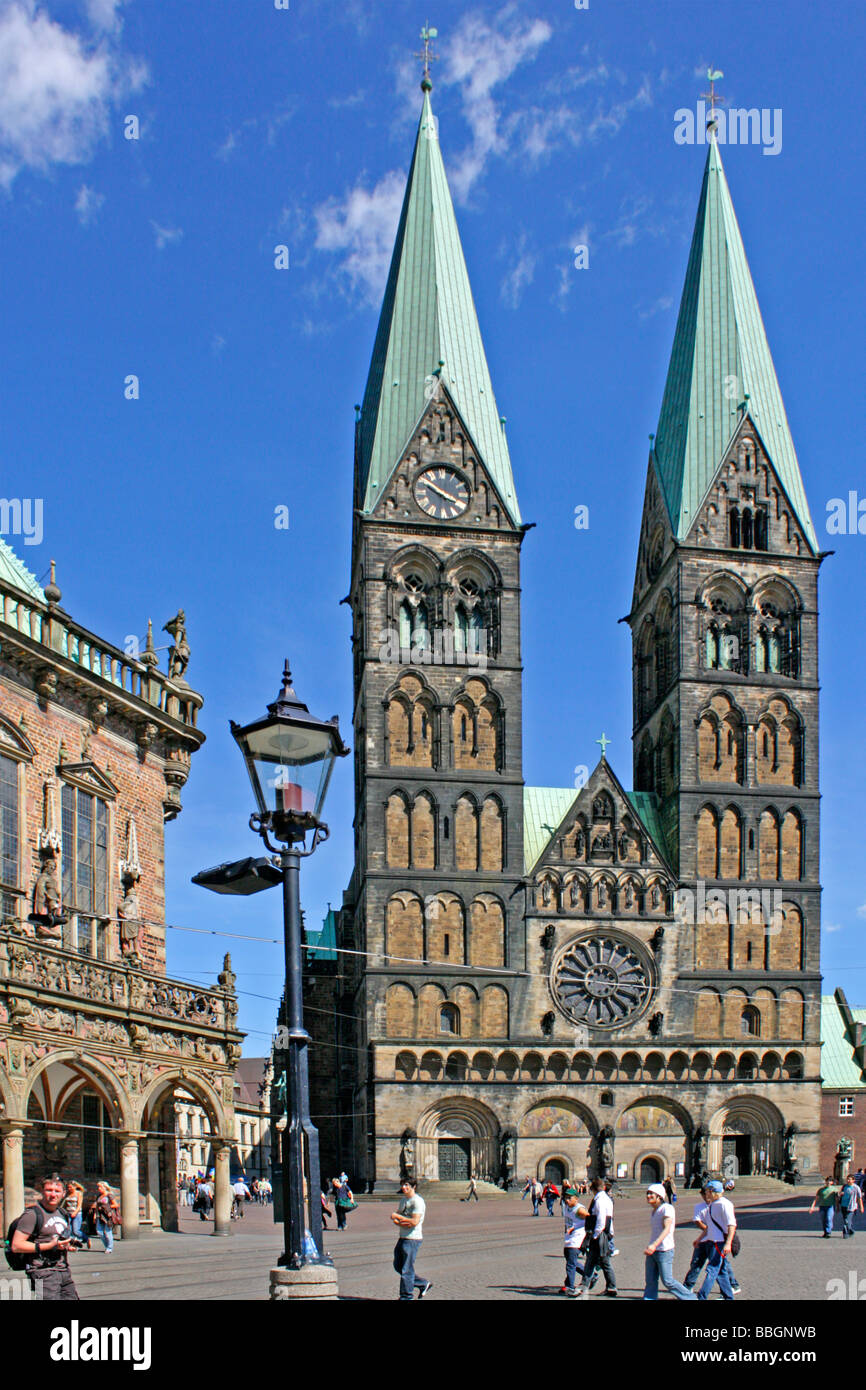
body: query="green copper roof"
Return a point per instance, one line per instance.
(543, 811)
(646, 806)
(839, 1069)
(428, 315)
(13, 572)
(720, 355)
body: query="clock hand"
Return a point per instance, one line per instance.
(449, 496)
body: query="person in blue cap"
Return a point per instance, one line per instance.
(703, 1244)
(721, 1224)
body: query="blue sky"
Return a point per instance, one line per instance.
(261, 127)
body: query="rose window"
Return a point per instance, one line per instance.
(600, 981)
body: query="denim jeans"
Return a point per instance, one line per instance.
(717, 1268)
(534, 1206)
(77, 1224)
(106, 1235)
(700, 1255)
(848, 1220)
(405, 1255)
(572, 1265)
(827, 1214)
(550, 1203)
(660, 1266)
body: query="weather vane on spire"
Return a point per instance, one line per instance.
(713, 74)
(427, 34)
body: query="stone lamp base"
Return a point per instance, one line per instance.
(312, 1281)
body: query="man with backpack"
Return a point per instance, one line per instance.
(721, 1228)
(39, 1242)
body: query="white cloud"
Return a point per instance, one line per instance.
(479, 59)
(832, 926)
(165, 236)
(217, 344)
(521, 274)
(104, 14)
(568, 273)
(88, 204)
(362, 226)
(659, 306)
(56, 90)
(861, 911)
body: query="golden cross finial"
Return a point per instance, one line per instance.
(713, 74)
(427, 34)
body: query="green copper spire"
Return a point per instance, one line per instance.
(720, 368)
(428, 328)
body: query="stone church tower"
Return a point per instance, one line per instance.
(553, 980)
(725, 640)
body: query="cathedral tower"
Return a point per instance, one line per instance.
(435, 597)
(724, 627)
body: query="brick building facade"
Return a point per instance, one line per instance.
(567, 981)
(95, 746)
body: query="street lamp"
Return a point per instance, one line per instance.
(290, 756)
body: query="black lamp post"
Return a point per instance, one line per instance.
(290, 756)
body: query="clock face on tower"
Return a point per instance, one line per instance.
(441, 493)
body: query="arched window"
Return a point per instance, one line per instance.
(404, 624)
(449, 1019)
(735, 527)
(461, 629)
(747, 532)
(750, 1022)
(761, 528)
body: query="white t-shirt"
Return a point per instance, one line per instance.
(412, 1206)
(719, 1216)
(603, 1208)
(657, 1221)
(575, 1229)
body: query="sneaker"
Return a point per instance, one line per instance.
(425, 1289)
(735, 1290)
(614, 1252)
(609, 1293)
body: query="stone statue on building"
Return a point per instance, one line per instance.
(178, 653)
(844, 1152)
(129, 918)
(791, 1172)
(605, 1152)
(407, 1154)
(47, 915)
(699, 1156)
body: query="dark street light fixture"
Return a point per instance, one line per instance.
(290, 756)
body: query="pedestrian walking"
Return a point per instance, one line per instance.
(40, 1244)
(409, 1217)
(267, 1191)
(201, 1202)
(599, 1226)
(326, 1210)
(535, 1193)
(703, 1245)
(660, 1251)
(526, 1188)
(670, 1188)
(721, 1228)
(574, 1239)
(850, 1202)
(344, 1201)
(472, 1194)
(550, 1193)
(825, 1200)
(105, 1215)
(73, 1205)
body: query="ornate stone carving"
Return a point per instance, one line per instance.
(179, 653)
(600, 981)
(46, 682)
(129, 910)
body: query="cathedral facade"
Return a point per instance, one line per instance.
(563, 981)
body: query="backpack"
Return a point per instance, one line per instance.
(19, 1260)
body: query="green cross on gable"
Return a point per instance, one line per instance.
(604, 741)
